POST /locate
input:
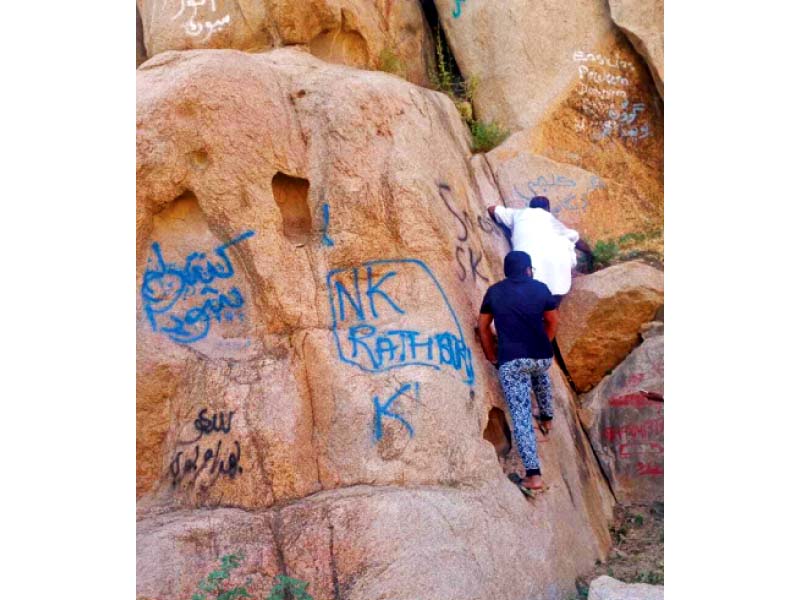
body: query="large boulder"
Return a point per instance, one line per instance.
(608, 588)
(367, 542)
(309, 280)
(369, 34)
(570, 88)
(578, 198)
(520, 52)
(601, 317)
(624, 417)
(643, 23)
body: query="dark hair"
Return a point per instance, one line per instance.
(515, 263)
(540, 202)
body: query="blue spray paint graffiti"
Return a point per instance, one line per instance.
(562, 192)
(382, 410)
(326, 217)
(166, 286)
(357, 296)
(457, 10)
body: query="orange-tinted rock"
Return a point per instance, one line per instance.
(626, 425)
(308, 279)
(367, 34)
(610, 123)
(567, 81)
(601, 317)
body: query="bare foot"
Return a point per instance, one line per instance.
(534, 482)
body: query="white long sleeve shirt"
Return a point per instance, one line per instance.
(550, 244)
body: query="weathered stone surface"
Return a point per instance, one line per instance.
(601, 317)
(643, 23)
(141, 52)
(368, 34)
(609, 122)
(568, 83)
(521, 52)
(285, 208)
(579, 199)
(177, 550)
(367, 542)
(608, 588)
(651, 329)
(626, 426)
(290, 281)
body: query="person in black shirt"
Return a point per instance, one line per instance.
(525, 316)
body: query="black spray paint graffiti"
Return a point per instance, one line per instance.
(465, 253)
(190, 465)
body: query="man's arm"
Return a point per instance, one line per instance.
(550, 323)
(487, 341)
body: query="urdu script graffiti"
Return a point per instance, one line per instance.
(182, 301)
(194, 26)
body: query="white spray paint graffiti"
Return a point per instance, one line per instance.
(602, 87)
(194, 26)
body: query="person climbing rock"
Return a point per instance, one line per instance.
(550, 244)
(525, 316)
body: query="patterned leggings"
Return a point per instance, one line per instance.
(516, 377)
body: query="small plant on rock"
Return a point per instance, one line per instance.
(214, 583)
(289, 588)
(486, 136)
(213, 587)
(444, 78)
(604, 252)
(389, 62)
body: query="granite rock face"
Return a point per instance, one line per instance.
(585, 114)
(309, 384)
(366, 34)
(602, 315)
(624, 417)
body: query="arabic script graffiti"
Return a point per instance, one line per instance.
(181, 301)
(563, 192)
(188, 466)
(194, 27)
(615, 125)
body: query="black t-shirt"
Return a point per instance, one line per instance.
(517, 306)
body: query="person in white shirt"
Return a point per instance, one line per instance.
(550, 244)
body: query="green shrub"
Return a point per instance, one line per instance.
(445, 79)
(213, 583)
(486, 136)
(604, 252)
(285, 588)
(651, 577)
(442, 76)
(288, 587)
(391, 63)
